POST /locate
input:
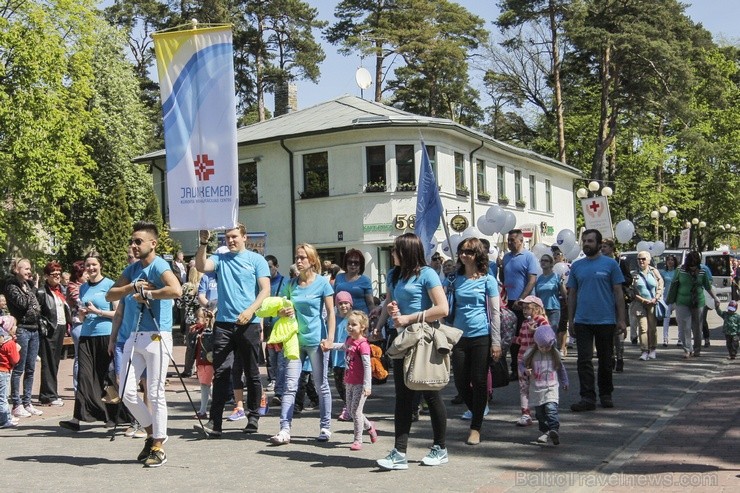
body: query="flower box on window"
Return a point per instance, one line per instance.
(375, 186)
(462, 191)
(406, 187)
(521, 204)
(484, 196)
(503, 200)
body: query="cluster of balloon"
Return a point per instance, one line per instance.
(568, 244)
(655, 248)
(624, 231)
(496, 220)
(448, 248)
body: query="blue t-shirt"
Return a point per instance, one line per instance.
(470, 304)
(668, 276)
(308, 303)
(340, 335)
(162, 309)
(209, 286)
(548, 290)
(493, 269)
(517, 269)
(358, 288)
(646, 287)
(412, 295)
(595, 279)
(237, 282)
(95, 325)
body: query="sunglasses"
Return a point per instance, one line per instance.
(641, 258)
(467, 251)
(353, 262)
(136, 241)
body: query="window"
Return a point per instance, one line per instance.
(405, 167)
(375, 163)
(500, 183)
(532, 192)
(432, 153)
(315, 175)
(517, 185)
(548, 196)
(460, 173)
(480, 166)
(247, 183)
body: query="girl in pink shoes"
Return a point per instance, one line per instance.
(357, 375)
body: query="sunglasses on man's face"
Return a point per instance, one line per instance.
(136, 241)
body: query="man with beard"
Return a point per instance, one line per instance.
(595, 312)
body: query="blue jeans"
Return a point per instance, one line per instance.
(553, 316)
(75, 333)
(547, 416)
(4, 388)
(277, 363)
(29, 342)
(319, 368)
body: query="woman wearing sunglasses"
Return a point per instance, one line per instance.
(648, 286)
(355, 282)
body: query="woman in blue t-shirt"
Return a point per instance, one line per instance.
(671, 264)
(354, 282)
(312, 296)
(550, 289)
(414, 292)
(93, 357)
(477, 314)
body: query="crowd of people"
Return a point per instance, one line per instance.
(122, 332)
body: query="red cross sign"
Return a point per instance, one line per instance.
(204, 167)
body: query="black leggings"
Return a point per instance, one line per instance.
(470, 363)
(405, 408)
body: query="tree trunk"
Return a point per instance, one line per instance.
(556, 82)
(607, 118)
(259, 72)
(379, 58)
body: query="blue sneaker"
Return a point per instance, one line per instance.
(435, 457)
(394, 461)
(468, 415)
(237, 415)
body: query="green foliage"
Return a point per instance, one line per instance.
(114, 230)
(153, 214)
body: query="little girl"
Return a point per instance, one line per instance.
(344, 307)
(202, 330)
(542, 362)
(357, 375)
(9, 357)
(534, 311)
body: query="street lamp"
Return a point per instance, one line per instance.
(655, 215)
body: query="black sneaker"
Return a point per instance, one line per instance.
(582, 406)
(208, 430)
(156, 458)
(606, 401)
(457, 400)
(252, 425)
(619, 366)
(634, 341)
(147, 450)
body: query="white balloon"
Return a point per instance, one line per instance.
(560, 269)
(540, 249)
(445, 248)
(494, 212)
(658, 248)
(471, 232)
(485, 226)
(624, 231)
(574, 252)
(510, 222)
(566, 239)
(493, 253)
(455, 241)
(643, 246)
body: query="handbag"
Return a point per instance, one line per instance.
(46, 328)
(424, 367)
(660, 310)
(499, 371)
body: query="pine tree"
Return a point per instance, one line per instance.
(114, 227)
(153, 213)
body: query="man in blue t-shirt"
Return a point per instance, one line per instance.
(243, 283)
(595, 311)
(519, 276)
(148, 286)
(273, 358)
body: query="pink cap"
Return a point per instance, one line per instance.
(535, 300)
(344, 297)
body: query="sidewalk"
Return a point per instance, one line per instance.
(674, 425)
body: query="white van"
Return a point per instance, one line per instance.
(719, 265)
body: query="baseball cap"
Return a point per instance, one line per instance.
(535, 300)
(344, 297)
(732, 306)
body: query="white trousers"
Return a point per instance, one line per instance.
(148, 351)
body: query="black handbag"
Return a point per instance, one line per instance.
(499, 372)
(46, 328)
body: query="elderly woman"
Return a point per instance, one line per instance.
(687, 294)
(24, 306)
(648, 287)
(354, 282)
(56, 317)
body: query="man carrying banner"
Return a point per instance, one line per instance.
(243, 283)
(149, 287)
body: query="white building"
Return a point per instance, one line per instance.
(311, 175)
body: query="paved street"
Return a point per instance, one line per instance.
(674, 426)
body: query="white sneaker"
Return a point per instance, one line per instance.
(20, 412)
(324, 435)
(644, 356)
(282, 438)
(651, 354)
(525, 420)
(435, 457)
(34, 412)
(543, 438)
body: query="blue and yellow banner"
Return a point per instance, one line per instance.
(196, 79)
